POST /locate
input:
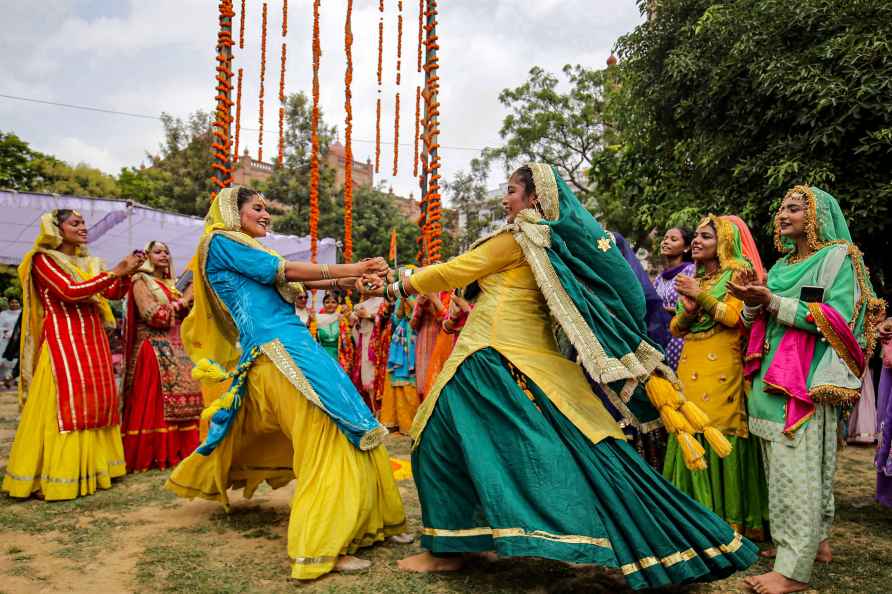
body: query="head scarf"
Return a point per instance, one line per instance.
(80, 267)
(208, 332)
(593, 294)
(826, 227)
(729, 250)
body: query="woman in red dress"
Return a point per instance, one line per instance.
(162, 403)
(68, 442)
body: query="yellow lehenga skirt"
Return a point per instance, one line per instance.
(60, 465)
(345, 498)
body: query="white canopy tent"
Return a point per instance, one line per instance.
(117, 227)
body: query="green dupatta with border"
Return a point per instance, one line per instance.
(593, 295)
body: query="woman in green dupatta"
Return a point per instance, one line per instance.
(514, 452)
(812, 327)
(711, 371)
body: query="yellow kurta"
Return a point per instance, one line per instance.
(711, 368)
(511, 317)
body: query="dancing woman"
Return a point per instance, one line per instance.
(711, 371)
(68, 442)
(291, 411)
(162, 403)
(820, 288)
(333, 331)
(514, 453)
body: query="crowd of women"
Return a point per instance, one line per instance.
(561, 405)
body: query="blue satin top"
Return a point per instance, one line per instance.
(244, 279)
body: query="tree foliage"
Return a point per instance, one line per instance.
(27, 170)
(722, 106)
(564, 129)
(470, 197)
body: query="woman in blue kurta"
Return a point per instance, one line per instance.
(291, 411)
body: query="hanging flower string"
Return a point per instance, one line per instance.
(396, 107)
(241, 27)
(418, 113)
(221, 144)
(378, 100)
(262, 81)
(314, 140)
(433, 227)
(417, 127)
(238, 117)
(282, 105)
(348, 138)
(284, 18)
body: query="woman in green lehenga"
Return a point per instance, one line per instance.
(514, 452)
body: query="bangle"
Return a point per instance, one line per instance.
(390, 291)
(334, 284)
(325, 272)
(402, 288)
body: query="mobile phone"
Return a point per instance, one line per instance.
(811, 294)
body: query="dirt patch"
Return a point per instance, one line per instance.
(137, 537)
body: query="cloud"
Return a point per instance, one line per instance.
(149, 57)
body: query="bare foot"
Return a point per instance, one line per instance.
(775, 583)
(825, 555)
(426, 563)
(488, 556)
(768, 553)
(349, 563)
(404, 538)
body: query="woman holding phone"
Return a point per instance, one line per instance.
(812, 328)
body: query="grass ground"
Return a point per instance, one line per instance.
(137, 537)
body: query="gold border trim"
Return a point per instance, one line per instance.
(546, 190)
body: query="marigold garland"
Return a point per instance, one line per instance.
(348, 138)
(222, 142)
(378, 134)
(420, 33)
(396, 107)
(284, 18)
(238, 117)
(417, 128)
(241, 27)
(314, 140)
(262, 81)
(433, 227)
(282, 104)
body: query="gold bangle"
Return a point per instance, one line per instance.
(325, 272)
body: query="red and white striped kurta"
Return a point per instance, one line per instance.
(79, 348)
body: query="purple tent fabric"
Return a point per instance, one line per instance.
(657, 318)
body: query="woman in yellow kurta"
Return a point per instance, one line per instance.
(514, 453)
(291, 412)
(711, 370)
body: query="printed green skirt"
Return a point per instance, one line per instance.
(734, 487)
(499, 468)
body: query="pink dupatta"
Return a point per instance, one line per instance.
(788, 372)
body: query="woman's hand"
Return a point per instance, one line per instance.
(376, 266)
(687, 286)
(690, 306)
(750, 290)
(129, 264)
(370, 284)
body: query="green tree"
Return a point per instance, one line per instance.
(57, 177)
(723, 106)
(564, 129)
(16, 170)
(469, 196)
(178, 177)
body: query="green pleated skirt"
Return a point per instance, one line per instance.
(734, 487)
(498, 467)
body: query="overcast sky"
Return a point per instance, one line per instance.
(151, 57)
